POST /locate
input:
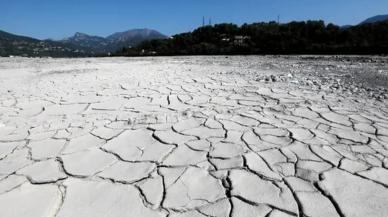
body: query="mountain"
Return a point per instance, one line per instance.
(15, 45)
(375, 19)
(79, 44)
(94, 44)
(113, 42)
(134, 37)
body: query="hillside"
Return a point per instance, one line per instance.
(113, 42)
(94, 44)
(15, 45)
(306, 37)
(375, 19)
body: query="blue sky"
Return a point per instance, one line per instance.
(60, 18)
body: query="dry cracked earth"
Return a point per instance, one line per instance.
(187, 137)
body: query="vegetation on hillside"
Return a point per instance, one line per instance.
(310, 37)
(15, 45)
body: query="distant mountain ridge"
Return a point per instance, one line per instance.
(78, 45)
(375, 19)
(112, 42)
(16, 45)
(133, 33)
(94, 44)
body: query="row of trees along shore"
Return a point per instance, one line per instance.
(309, 37)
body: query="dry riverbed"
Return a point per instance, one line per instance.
(194, 136)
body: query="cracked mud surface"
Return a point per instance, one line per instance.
(185, 137)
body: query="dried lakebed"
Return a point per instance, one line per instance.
(189, 137)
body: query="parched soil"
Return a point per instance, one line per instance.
(225, 136)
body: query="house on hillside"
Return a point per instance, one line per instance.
(241, 39)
